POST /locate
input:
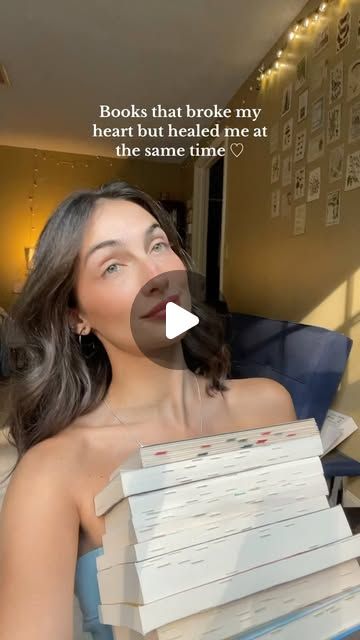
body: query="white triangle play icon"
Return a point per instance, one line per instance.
(178, 320)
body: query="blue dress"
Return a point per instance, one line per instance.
(87, 592)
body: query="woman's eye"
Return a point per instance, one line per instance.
(159, 246)
(114, 264)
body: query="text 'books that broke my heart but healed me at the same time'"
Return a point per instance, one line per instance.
(227, 536)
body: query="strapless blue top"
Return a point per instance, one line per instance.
(87, 592)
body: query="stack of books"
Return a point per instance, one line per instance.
(227, 536)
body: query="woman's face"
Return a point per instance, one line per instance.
(120, 281)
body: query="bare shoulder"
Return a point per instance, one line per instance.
(50, 463)
(259, 401)
(55, 465)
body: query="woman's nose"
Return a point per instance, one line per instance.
(156, 280)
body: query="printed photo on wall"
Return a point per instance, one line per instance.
(336, 82)
(300, 73)
(343, 32)
(274, 137)
(275, 168)
(319, 72)
(334, 124)
(316, 147)
(314, 185)
(353, 87)
(287, 134)
(336, 163)
(317, 114)
(275, 203)
(286, 100)
(333, 208)
(303, 105)
(286, 200)
(321, 40)
(299, 219)
(286, 171)
(300, 145)
(354, 122)
(352, 180)
(299, 183)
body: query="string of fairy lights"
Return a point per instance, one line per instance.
(32, 201)
(29, 250)
(299, 28)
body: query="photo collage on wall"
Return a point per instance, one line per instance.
(313, 108)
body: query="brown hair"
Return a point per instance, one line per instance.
(51, 379)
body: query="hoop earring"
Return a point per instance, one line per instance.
(86, 354)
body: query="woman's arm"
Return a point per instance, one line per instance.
(39, 528)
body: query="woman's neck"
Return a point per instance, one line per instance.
(141, 389)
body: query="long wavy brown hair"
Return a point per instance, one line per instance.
(51, 378)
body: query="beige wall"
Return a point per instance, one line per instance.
(58, 175)
(315, 277)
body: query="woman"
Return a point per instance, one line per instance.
(78, 410)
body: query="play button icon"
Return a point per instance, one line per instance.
(171, 324)
(178, 320)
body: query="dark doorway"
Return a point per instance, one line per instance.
(216, 177)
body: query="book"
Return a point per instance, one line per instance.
(155, 513)
(133, 481)
(160, 576)
(130, 533)
(259, 609)
(158, 613)
(200, 446)
(238, 543)
(323, 620)
(209, 529)
(336, 428)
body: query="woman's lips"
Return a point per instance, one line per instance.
(159, 310)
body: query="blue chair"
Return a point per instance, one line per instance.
(308, 361)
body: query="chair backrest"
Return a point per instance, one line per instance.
(309, 361)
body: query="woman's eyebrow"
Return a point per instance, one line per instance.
(117, 242)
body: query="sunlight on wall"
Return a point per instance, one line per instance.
(331, 312)
(340, 311)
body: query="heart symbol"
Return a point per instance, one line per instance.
(237, 151)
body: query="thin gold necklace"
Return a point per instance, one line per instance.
(138, 441)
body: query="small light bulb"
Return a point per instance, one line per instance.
(277, 64)
(291, 35)
(269, 72)
(322, 7)
(316, 17)
(279, 53)
(306, 23)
